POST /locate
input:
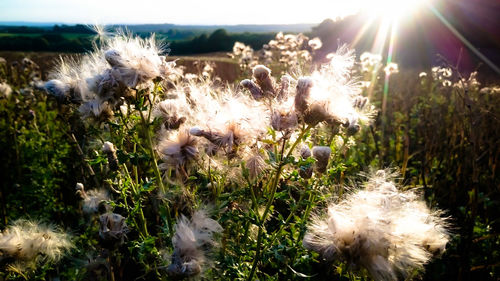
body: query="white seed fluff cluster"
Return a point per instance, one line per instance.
(387, 231)
(112, 72)
(26, 244)
(191, 241)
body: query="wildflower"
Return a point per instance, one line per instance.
(110, 150)
(29, 244)
(422, 74)
(322, 156)
(97, 110)
(387, 231)
(113, 228)
(370, 62)
(192, 241)
(360, 102)
(352, 126)
(283, 120)
(229, 139)
(119, 68)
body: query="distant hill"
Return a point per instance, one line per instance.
(254, 28)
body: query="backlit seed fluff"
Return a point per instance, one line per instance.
(315, 43)
(110, 151)
(387, 231)
(255, 91)
(57, 89)
(192, 241)
(255, 165)
(24, 245)
(304, 85)
(177, 153)
(322, 156)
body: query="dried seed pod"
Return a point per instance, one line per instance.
(305, 171)
(281, 121)
(113, 228)
(253, 88)
(315, 114)
(114, 58)
(255, 165)
(304, 85)
(262, 75)
(352, 126)
(322, 155)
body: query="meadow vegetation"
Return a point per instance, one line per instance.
(122, 164)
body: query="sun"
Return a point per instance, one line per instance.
(392, 9)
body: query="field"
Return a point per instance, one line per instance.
(270, 164)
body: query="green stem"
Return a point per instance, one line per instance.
(143, 224)
(274, 187)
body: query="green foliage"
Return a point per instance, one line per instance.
(444, 139)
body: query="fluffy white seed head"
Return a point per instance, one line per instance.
(31, 243)
(387, 231)
(192, 242)
(108, 147)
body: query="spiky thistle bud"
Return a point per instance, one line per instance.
(255, 91)
(304, 85)
(307, 170)
(322, 156)
(263, 77)
(110, 151)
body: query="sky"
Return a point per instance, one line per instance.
(178, 12)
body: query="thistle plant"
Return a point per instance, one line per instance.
(159, 147)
